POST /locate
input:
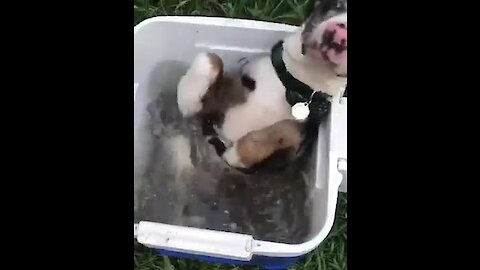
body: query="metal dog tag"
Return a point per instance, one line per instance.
(300, 111)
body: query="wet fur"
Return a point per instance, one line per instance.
(278, 139)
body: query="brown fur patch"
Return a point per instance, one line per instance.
(216, 62)
(210, 106)
(258, 145)
(223, 93)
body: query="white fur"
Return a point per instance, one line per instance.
(232, 157)
(267, 104)
(194, 84)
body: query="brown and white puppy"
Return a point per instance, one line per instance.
(250, 111)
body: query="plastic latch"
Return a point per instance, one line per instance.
(339, 138)
(195, 241)
(342, 168)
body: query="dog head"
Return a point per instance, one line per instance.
(324, 34)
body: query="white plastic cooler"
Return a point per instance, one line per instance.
(180, 39)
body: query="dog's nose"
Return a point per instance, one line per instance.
(336, 33)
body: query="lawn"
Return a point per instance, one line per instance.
(332, 253)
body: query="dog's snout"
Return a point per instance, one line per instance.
(333, 44)
(335, 36)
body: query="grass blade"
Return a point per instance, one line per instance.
(167, 264)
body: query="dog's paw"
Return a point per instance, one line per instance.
(233, 158)
(203, 72)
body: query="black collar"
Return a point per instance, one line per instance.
(296, 91)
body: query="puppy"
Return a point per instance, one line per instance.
(268, 114)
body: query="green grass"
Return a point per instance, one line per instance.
(286, 11)
(332, 253)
